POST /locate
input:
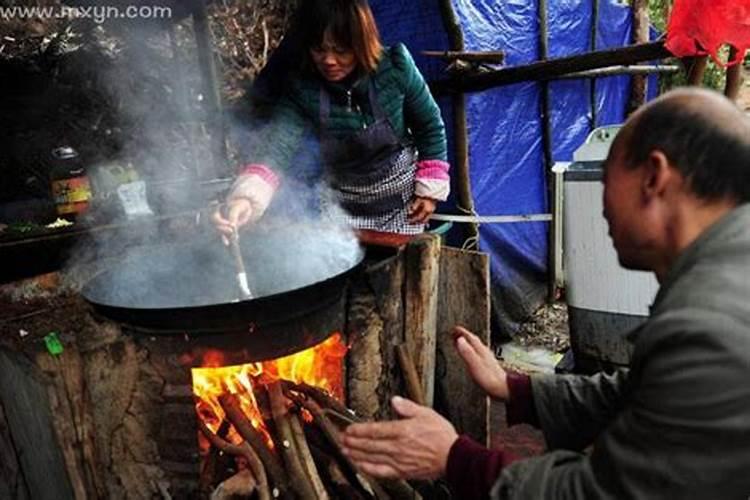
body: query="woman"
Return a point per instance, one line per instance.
(381, 136)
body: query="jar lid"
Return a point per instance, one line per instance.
(64, 153)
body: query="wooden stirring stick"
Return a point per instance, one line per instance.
(234, 247)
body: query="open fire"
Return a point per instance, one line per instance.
(320, 366)
(280, 420)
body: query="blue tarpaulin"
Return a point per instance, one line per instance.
(505, 140)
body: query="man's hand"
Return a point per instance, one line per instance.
(481, 363)
(239, 211)
(421, 209)
(415, 447)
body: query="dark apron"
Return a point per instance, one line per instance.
(371, 171)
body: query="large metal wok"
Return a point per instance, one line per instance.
(189, 290)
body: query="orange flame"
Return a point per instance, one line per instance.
(320, 366)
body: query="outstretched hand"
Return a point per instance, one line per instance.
(415, 447)
(481, 363)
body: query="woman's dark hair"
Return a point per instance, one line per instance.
(350, 23)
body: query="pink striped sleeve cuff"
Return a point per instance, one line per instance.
(433, 169)
(263, 172)
(432, 180)
(258, 184)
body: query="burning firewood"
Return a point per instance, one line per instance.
(300, 482)
(240, 485)
(256, 474)
(257, 442)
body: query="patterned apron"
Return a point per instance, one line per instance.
(371, 171)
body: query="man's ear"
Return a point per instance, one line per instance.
(657, 175)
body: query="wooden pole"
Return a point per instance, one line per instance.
(734, 77)
(552, 68)
(696, 68)
(547, 147)
(488, 57)
(638, 83)
(210, 89)
(592, 45)
(460, 129)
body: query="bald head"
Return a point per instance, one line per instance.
(703, 135)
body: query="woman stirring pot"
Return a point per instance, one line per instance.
(381, 137)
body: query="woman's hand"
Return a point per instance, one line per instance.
(239, 211)
(421, 209)
(481, 363)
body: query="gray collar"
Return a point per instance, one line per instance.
(735, 224)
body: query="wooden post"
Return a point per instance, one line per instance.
(420, 308)
(592, 46)
(210, 89)
(460, 129)
(696, 68)
(640, 35)
(547, 146)
(734, 77)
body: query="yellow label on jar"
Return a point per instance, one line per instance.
(71, 195)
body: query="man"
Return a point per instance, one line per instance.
(677, 424)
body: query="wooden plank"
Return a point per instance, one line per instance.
(464, 299)
(552, 68)
(420, 308)
(24, 398)
(12, 483)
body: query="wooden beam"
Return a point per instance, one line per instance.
(488, 57)
(552, 68)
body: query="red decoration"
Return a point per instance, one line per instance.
(700, 27)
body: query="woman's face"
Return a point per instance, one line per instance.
(334, 61)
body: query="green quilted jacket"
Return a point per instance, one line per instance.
(401, 92)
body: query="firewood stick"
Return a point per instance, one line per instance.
(210, 464)
(400, 488)
(320, 396)
(335, 476)
(241, 485)
(256, 440)
(333, 435)
(409, 371)
(300, 482)
(243, 450)
(306, 457)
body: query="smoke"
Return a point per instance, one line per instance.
(174, 257)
